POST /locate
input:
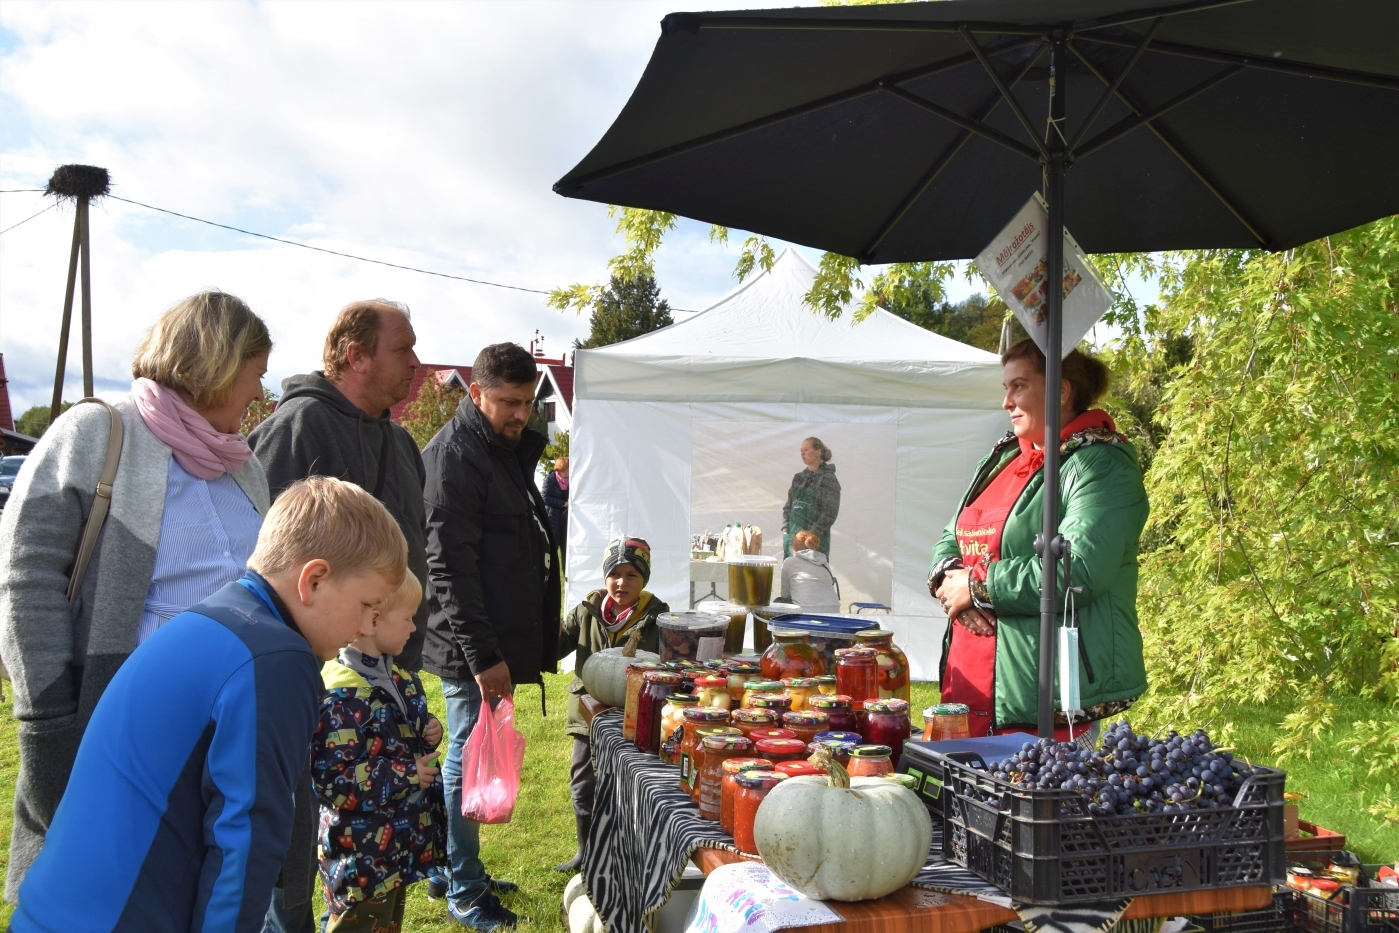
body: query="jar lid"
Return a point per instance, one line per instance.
(856, 654)
(759, 780)
(764, 686)
(753, 560)
(752, 715)
(727, 742)
(809, 683)
(805, 718)
(948, 709)
(735, 666)
(846, 738)
(706, 714)
(663, 677)
(770, 700)
(745, 658)
(692, 621)
(837, 749)
(758, 735)
(710, 680)
(780, 746)
(798, 769)
(829, 701)
(903, 780)
(703, 731)
(736, 765)
(873, 634)
(789, 634)
(721, 607)
(714, 664)
(644, 666)
(682, 699)
(826, 680)
(871, 751)
(890, 705)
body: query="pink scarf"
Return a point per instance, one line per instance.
(561, 480)
(202, 451)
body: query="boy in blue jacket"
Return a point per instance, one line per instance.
(179, 809)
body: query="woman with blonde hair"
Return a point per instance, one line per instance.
(185, 510)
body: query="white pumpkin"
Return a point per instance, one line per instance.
(572, 890)
(605, 672)
(840, 839)
(582, 918)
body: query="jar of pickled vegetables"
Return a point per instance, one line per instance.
(870, 761)
(777, 702)
(754, 687)
(805, 724)
(801, 768)
(779, 750)
(635, 671)
(749, 790)
(886, 723)
(891, 660)
(839, 750)
(739, 673)
(791, 655)
(716, 750)
(731, 768)
(697, 719)
(656, 689)
(838, 709)
(672, 721)
(826, 684)
(946, 721)
(757, 735)
(857, 674)
(801, 690)
(713, 690)
(747, 720)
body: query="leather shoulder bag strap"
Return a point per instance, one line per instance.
(101, 503)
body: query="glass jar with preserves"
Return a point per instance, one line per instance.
(635, 671)
(946, 721)
(801, 768)
(713, 690)
(826, 684)
(739, 673)
(805, 724)
(886, 723)
(791, 655)
(731, 768)
(838, 709)
(754, 687)
(655, 690)
(749, 790)
(801, 690)
(891, 660)
(870, 761)
(696, 718)
(838, 750)
(717, 749)
(672, 721)
(748, 720)
(835, 735)
(778, 750)
(777, 702)
(757, 735)
(857, 674)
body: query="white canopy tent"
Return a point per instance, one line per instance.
(698, 425)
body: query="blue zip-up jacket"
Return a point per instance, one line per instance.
(179, 810)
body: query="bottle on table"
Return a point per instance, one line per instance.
(857, 674)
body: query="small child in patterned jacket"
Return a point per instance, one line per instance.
(383, 819)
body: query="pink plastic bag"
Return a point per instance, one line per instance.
(491, 764)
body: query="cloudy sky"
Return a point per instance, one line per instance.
(425, 134)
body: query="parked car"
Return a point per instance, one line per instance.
(9, 469)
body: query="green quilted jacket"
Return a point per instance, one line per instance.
(1104, 509)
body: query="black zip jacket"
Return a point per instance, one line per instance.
(488, 541)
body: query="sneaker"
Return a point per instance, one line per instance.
(503, 887)
(484, 914)
(436, 887)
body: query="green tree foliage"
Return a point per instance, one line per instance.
(916, 293)
(35, 420)
(555, 449)
(627, 308)
(435, 405)
(258, 411)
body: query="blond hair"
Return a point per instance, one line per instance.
(199, 345)
(408, 595)
(357, 324)
(335, 521)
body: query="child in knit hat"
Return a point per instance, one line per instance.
(604, 619)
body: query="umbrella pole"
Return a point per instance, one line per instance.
(1054, 279)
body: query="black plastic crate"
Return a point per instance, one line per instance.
(1043, 846)
(1354, 910)
(1274, 918)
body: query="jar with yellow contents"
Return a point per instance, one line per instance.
(801, 690)
(754, 687)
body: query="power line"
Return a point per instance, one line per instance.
(20, 190)
(27, 219)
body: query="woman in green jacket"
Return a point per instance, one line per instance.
(987, 576)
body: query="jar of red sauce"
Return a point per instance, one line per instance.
(777, 702)
(747, 720)
(805, 724)
(737, 674)
(826, 684)
(698, 719)
(946, 721)
(656, 689)
(886, 723)
(779, 750)
(731, 768)
(791, 655)
(757, 735)
(717, 749)
(798, 769)
(801, 690)
(838, 750)
(870, 761)
(839, 710)
(749, 790)
(857, 674)
(635, 671)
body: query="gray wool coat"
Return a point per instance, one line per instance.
(60, 657)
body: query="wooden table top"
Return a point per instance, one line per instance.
(913, 910)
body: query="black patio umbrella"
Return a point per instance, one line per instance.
(914, 132)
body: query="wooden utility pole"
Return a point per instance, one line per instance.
(79, 184)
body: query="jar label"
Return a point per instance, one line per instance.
(710, 648)
(685, 769)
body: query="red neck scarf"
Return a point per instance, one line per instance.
(1031, 458)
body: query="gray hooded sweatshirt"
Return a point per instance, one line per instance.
(807, 581)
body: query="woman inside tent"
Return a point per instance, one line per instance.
(813, 500)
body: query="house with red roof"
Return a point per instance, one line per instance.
(11, 441)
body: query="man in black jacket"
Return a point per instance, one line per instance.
(494, 582)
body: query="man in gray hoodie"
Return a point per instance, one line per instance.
(336, 423)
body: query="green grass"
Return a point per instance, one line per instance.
(541, 834)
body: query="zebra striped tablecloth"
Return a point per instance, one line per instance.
(645, 829)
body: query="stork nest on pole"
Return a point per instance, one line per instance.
(78, 183)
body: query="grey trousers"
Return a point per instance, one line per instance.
(581, 779)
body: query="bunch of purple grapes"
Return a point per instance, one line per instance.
(1132, 773)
